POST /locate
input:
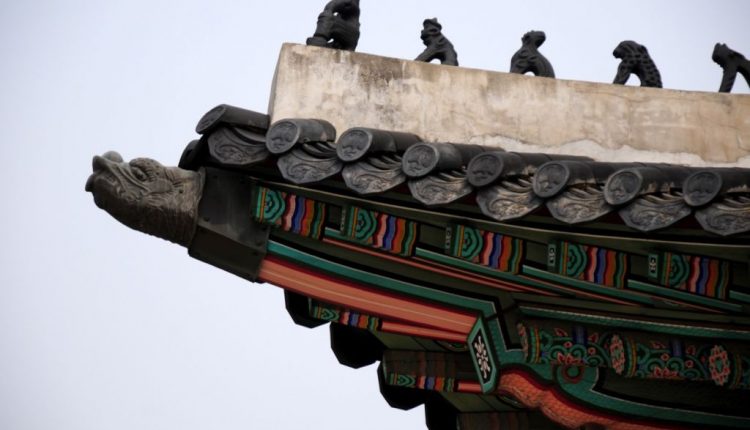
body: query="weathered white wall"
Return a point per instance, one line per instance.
(520, 113)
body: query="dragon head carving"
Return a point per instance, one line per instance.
(147, 196)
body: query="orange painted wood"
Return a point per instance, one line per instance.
(361, 298)
(559, 408)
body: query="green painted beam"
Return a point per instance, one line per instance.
(487, 271)
(360, 276)
(615, 293)
(632, 324)
(739, 297)
(661, 291)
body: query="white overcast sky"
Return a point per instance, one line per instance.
(105, 328)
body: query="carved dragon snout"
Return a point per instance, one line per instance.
(147, 196)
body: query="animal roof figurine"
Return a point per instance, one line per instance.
(529, 59)
(438, 46)
(732, 62)
(338, 26)
(636, 60)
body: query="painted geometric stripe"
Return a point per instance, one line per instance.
(290, 212)
(697, 275)
(344, 317)
(590, 263)
(494, 250)
(425, 370)
(431, 383)
(378, 230)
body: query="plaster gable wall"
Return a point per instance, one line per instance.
(513, 112)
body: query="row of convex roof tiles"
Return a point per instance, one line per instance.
(507, 186)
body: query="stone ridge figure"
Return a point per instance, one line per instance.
(529, 59)
(636, 60)
(732, 62)
(338, 26)
(438, 46)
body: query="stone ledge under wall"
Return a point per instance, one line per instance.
(519, 113)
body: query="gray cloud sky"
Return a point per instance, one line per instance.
(105, 328)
